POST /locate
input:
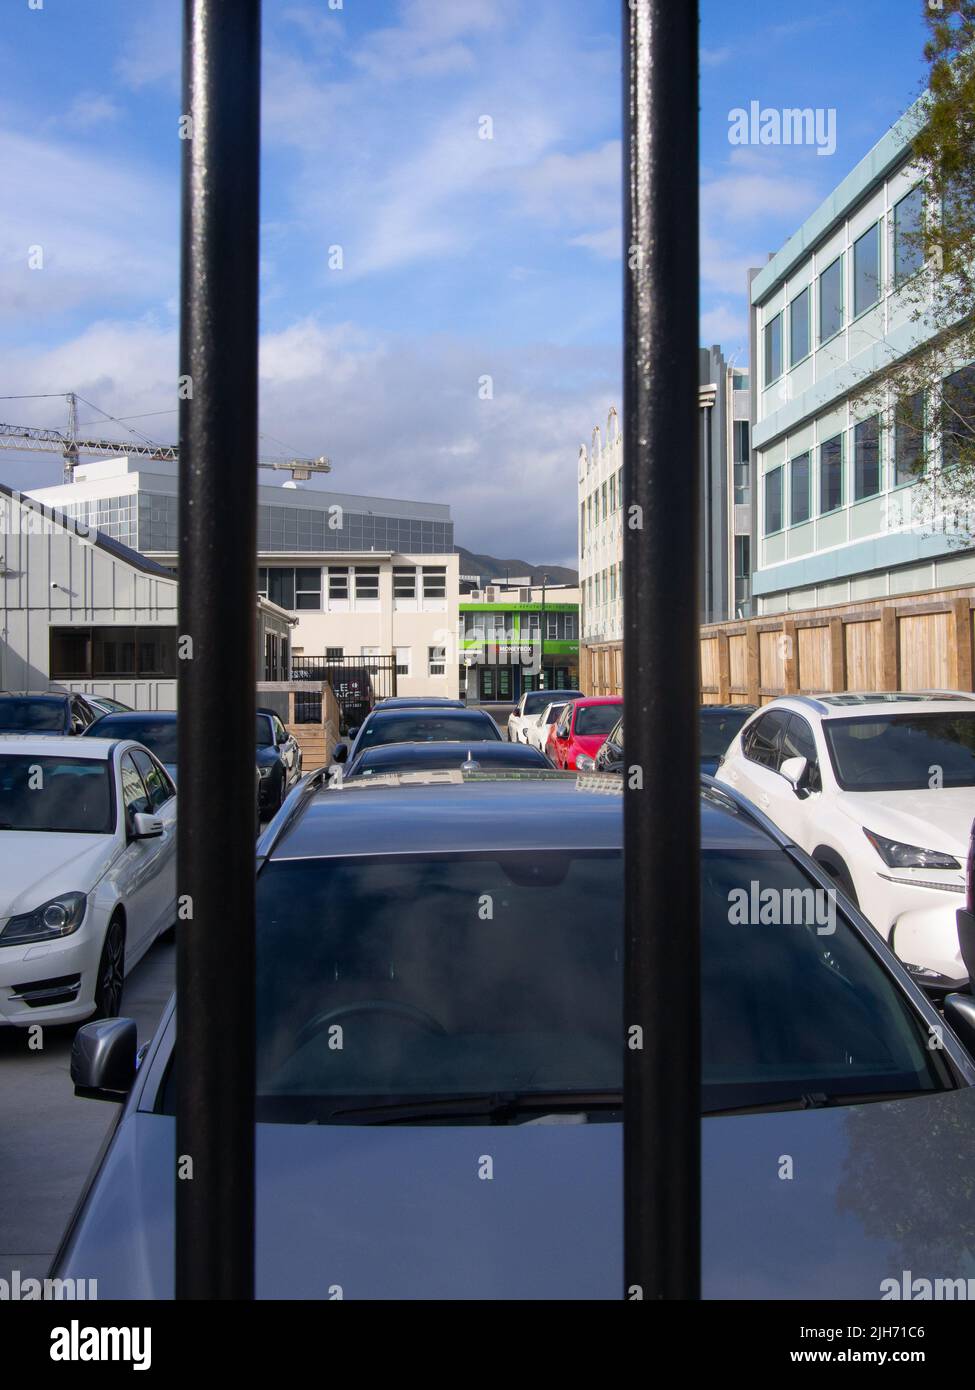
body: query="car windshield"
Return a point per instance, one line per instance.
(25, 713)
(428, 727)
(394, 758)
(553, 713)
(718, 729)
(538, 699)
(379, 982)
(158, 735)
(66, 795)
(265, 732)
(902, 752)
(596, 719)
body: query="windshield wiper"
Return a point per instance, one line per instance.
(499, 1107)
(813, 1100)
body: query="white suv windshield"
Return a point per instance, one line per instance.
(902, 752)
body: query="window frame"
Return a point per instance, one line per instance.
(802, 521)
(767, 477)
(857, 427)
(836, 261)
(778, 318)
(876, 228)
(842, 502)
(805, 293)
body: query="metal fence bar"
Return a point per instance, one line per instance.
(217, 589)
(660, 566)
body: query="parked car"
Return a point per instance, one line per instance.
(105, 704)
(87, 873)
(492, 754)
(44, 712)
(463, 942)
(718, 725)
(419, 702)
(581, 728)
(538, 728)
(427, 725)
(609, 756)
(155, 728)
(880, 790)
(530, 706)
(278, 761)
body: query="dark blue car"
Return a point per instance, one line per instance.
(439, 1040)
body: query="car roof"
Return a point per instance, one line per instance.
(599, 700)
(544, 810)
(36, 694)
(136, 716)
(871, 703)
(56, 745)
(493, 750)
(378, 715)
(417, 701)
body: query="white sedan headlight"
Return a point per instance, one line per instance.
(59, 917)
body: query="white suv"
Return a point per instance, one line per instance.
(880, 790)
(530, 706)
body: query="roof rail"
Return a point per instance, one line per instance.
(312, 782)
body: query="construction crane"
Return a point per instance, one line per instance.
(69, 444)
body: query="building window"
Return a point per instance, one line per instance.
(831, 300)
(800, 501)
(404, 581)
(742, 477)
(612, 494)
(773, 501)
(334, 653)
(366, 581)
(799, 328)
(958, 418)
(371, 667)
(552, 626)
(743, 557)
(773, 350)
(436, 661)
(866, 270)
(739, 381)
(605, 495)
(909, 439)
(619, 485)
(338, 582)
(831, 475)
(740, 431)
(571, 627)
(403, 655)
(434, 581)
(112, 652)
(866, 458)
(308, 588)
(281, 587)
(908, 251)
(582, 528)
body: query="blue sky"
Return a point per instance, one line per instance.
(462, 257)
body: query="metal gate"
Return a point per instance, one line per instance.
(358, 682)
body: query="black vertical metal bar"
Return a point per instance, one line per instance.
(217, 600)
(660, 568)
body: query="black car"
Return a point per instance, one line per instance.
(463, 944)
(493, 755)
(156, 728)
(278, 760)
(419, 702)
(610, 756)
(44, 712)
(429, 724)
(718, 726)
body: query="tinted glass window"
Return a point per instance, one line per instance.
(426, 727)
(799, 328)
(909, 439)
(866, 449)
(158, 735)
(538, 699)
(265, 737)
(157, 784)
(831, 474)
(798, 742)
(908, 251)
(432, 1001)
(717, 729)
(596, 719)
(799, 490)
(773, 349)
(831, 300)
(60, 794)
(764, 743)
(773, 501)
(24, 714)
(135, 799)
(902, 752)
(866, 269)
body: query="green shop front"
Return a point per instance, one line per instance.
(508, 648)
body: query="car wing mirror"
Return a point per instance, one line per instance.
(794, 770)
(340, 753)
(103, 1058)
(959, 1011)
(146, 827)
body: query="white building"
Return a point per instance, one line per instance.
(361, 576)
(601, 559)
(840, 511)
(83, 612)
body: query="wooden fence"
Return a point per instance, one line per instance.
(911, 642)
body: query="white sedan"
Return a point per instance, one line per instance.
(537, 729)
(880, 790)
(87, 873)
(530, 706)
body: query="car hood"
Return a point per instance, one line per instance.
(937, 819)
(588, 743)
(411, 1213)
(266, 755)
(36, 865)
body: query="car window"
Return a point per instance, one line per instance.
(68, 795)
(718, 728)
(764, 742)
(902, 752)
(433, 1000)
(595, 719)
(280, 732)
(427, 727)
(798, 741)
(134, 796)
(562, 727)
(158, 734)
(158, 785)
(22, 713)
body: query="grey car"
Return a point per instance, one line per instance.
(463, 1139)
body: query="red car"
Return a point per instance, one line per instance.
(582, 728)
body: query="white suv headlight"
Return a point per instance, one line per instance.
(59, 917)
(900, 856)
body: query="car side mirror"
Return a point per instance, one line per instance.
(794, 770)
(146, 827)
(353, 730)
(103, 1058)
(282, 738)
(959, 1011)
(340, 753)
